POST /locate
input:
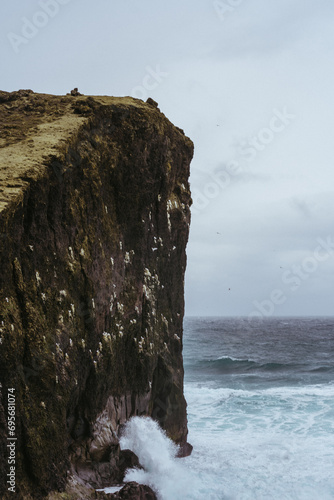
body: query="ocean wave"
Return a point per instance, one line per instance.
(210, 394)
(231, 358)
(228, 364)
(323, 369)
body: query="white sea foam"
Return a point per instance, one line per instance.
(235, 359)
(164, 473)
(297, 409)
(275, 443)
(111, 489)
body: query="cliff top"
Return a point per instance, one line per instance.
(35, 127)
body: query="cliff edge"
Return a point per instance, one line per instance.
(94, 221)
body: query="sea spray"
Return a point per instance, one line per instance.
(163, 472)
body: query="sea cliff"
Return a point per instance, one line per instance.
(94, 222)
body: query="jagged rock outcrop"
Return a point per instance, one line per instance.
(134, 491)
(94, 220)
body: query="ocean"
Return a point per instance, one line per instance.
(260, 399)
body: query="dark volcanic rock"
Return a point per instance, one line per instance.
(75, 92)
(135, 491)
(185, 450)
(127, 460)
(152, 102)
(94, 221)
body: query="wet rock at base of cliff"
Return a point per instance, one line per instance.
(185, 450)
(127, 460)
(134, 491)
(103, 474)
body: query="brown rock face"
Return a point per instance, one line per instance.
(94, 221)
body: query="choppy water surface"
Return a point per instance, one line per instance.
(261, 406)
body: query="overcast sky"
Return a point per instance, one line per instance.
(252, 84)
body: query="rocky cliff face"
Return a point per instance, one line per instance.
(94, 220)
